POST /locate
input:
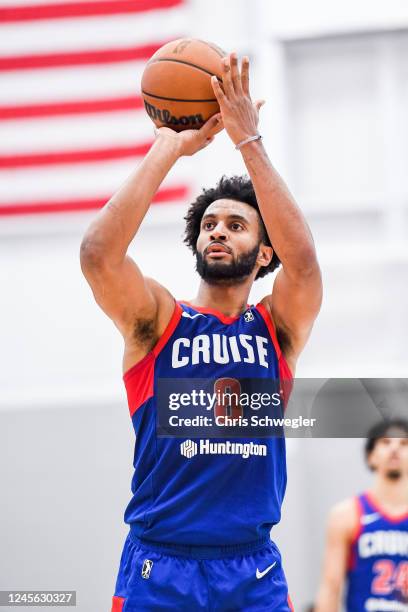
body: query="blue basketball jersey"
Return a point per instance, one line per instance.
(223, 492)
(378, 566)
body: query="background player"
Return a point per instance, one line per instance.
(367, 539)
(199, 530)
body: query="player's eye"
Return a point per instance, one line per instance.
(236, 226)
(208, 224)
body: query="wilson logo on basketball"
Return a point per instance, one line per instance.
(166, 117)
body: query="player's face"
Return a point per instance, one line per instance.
(229, 248)
(390, 456)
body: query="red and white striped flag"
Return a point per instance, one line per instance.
(72, 121)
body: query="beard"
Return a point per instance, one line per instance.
(223, 273)
(393, 474)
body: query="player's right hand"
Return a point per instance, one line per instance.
(191, 141)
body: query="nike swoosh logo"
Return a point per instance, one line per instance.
(262, 574)
(366, 519)
(190, 316)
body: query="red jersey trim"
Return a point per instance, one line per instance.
(285, 374)
(286, 381)
(139, 379)
(171, 326)
(271, 327)
(357, 533)
(283, 364)
(117, 603)
(377, 507)
(140, 388)
(222, 317)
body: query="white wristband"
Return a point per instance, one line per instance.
(250, 139)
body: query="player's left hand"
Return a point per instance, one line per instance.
(190, 142)
(239, 114)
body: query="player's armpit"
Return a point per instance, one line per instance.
(131, 300)
(294, 305)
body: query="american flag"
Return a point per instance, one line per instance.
(72, 122)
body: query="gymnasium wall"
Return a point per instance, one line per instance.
(336, 128)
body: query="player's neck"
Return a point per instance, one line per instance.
(391, 494)
(230, 301)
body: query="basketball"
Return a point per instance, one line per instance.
(176, 84)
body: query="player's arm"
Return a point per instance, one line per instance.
(342, 525)
(297, 292)
(118, 285)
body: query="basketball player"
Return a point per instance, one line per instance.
(367, 540)
(200, 519)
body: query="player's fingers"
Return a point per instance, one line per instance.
(258, 104)
(206, 142)
(219, 127)
(211, 127)
(235, 76)
(226, 78)
(245, 75)
(219, 94)
(218, 124)
(163, 130)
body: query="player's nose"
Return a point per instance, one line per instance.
(395, 448)
(219, 232)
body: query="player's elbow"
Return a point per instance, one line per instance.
(91, 254)
(307, 263)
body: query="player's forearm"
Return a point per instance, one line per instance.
(284, 221)
(115, 226)
(328, 599)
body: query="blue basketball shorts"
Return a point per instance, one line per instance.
(245, 578)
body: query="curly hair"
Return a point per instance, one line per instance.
(238, 188)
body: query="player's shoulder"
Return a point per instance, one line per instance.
(344, 516)
(165, 302)
(157, 288)
(266, 303)
(344, 508)
(149, 326)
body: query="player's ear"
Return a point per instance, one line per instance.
(371, 463)
(265, 254)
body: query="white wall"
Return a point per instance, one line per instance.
(240, 20)
(336, 127)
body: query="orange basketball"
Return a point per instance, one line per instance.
(176, 83)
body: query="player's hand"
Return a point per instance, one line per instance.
(191, 141)
(239, 114)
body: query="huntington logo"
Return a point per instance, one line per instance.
(147, 568)
(245, 449)
(188, 448)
